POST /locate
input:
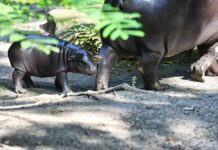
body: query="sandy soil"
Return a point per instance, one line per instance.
(181, 118)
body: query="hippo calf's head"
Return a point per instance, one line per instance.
(79, 60)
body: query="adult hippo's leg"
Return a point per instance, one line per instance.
(28, 81)
(149, 63)
(61, 82)
(57, 84)
(206, 63)
(108, 57)
(213, 70)
(17, 79)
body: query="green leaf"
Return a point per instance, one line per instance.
(135, 33)
(46, 41)
(26, 44)
(124, 35)
(134, 15)
(102, 24)
(16, 37)
(107, 31)
(55, 49)
(5, 32)
(43, 48)
(115, 35)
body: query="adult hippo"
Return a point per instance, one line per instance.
(33, 62)
(171, 27)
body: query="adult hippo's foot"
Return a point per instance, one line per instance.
(107, 58)
(206, 63)
(213, 69)
(149, 63)
(17, 79)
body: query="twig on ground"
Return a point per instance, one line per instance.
(120, 87)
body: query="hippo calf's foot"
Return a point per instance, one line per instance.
(20, 90)
(61, 82)
(17, 79)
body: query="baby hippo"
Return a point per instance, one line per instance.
(33, 62)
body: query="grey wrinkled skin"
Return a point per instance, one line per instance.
(32, 62)
(171, 27)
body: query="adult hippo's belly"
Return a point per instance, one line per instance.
(171, 27)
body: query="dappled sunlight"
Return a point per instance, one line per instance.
(12, 124)
(183, 84)
(155, 103)
(4, 61)
(179, 94)
(195, 132)
(10, 147)
(102, 121)
(185, 128)
(85, 126)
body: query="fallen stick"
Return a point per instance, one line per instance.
(120, 87)
(94, 94)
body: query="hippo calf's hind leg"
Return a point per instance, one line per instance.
(108, 58)
(57, 84)
(28, 81)
(206, 63)
(149, 64)
(17, 79)
(61, 82)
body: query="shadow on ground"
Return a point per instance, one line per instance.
(183, 117)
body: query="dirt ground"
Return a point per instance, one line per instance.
(185, 117)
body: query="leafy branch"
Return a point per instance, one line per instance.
(11, 14)
(115, 24)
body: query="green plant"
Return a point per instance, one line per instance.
(14, 13)
(133, 81)
(114, 23)
(83, 35)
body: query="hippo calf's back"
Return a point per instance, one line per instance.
(35, 62)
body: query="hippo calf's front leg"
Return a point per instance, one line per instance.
(108, 57)
(207, 61)
(61, 82)
(17, 79)
(149, 63)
